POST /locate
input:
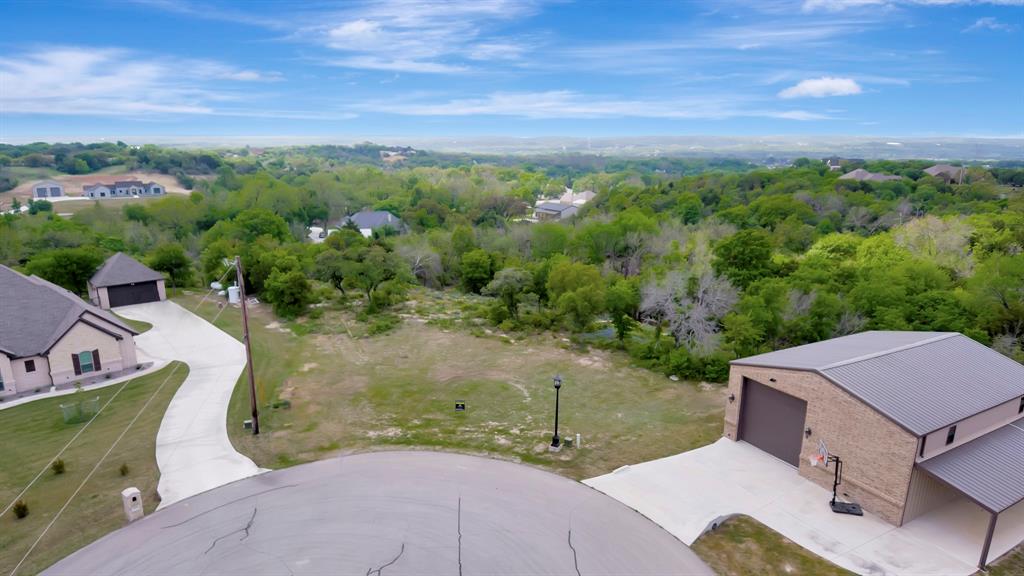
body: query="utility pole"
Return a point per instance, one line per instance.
(248, 349)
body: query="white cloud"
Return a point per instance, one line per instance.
(416, 36)
(822, 87)
(838, 5)
(74, 80)
(569, 104)
(989, 23)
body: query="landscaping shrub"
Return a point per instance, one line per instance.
(383, 324)
(20, 509)
(124, 469)
(57, 466)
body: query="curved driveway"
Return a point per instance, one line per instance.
(393, 513)
(192, 447)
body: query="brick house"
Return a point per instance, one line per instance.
(50, 337)
(920, 419)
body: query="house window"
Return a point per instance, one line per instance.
(1020, 410)
(86, 365)
(1, 382)
(950, 435)
(30, 365)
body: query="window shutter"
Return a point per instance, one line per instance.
(78, 367)
(96, 360)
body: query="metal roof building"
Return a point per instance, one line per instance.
(920, 419)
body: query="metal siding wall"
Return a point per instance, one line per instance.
(926, 494)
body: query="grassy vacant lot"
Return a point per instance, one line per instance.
(31, 434)
(399, 390)
(743, 546)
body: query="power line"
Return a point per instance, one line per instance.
(91, 420)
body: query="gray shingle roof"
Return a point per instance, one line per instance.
(952, 171)
(923, 381)
(554, 207)
(372, 219)
(123, 269)
(34, 313)
(988, 469)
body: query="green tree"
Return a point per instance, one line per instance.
(67, 267)
(744, 257)
(622, 301)
(172, 260)
(548, 239)
(288, 292)
(370, 268)
(256, 222)
(477, 269)
(577, 290)
(37, 206)
(509, 285)
(332, 267)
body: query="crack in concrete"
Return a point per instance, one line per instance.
(229, 503)
(378, 571)
(244, 529)
(575, 560)
(460, 535)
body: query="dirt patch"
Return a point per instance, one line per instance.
(308, 366)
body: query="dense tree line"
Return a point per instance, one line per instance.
(685, 272)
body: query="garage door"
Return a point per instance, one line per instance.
(133, 294)
(772, 420)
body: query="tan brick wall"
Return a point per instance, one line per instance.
(83, 337)
(878, 455)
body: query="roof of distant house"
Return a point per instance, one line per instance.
(923, 381)
(129, 183)
(553, 207)
(372, 219)
(862, 174)
(123, 269)
(943, 169)
(34, 313)
(47, 183)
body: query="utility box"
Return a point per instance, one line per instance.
(132, 499)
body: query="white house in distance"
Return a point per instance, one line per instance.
(51, 338)
(47, 189)
(123, 280)
(370, 221)
(123, 189)
(564, 207)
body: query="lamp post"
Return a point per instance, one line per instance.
(555, 441)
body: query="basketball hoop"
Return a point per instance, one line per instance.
(822, 456)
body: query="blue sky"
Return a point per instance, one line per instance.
(511, 68)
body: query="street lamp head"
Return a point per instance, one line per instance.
(558, 382)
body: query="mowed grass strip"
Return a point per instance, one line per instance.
(742, 546)
(399, 389)
(31, 434)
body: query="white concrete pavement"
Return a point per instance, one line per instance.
(685, 493)
(192, 447)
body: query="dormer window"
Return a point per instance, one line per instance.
(1020, 409)
(950, 435)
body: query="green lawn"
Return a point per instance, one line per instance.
(743, 546)
(31, 434)
(398, 390)
(137, 325)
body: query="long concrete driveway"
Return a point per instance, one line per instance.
(192, 447)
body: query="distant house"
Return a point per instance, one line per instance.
(123, 280)
(370, 221)
(554, 211)
(47, 189)
(862, 175)
(50, 337)
(946, 173)
(123, 189)
(834, 163)
(576, 198)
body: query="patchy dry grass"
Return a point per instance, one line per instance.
(399, 390)
(743, 546)
(1011, 564)
(31, 434)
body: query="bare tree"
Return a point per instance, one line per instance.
(943, 241)
(849, 323)
(691, 306)
(799, 304)
(424, 262)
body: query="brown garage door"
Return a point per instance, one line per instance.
(772, 420)
(133, 294)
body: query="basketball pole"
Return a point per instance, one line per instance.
(248, 349)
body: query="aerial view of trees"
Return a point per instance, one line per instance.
(684, 265)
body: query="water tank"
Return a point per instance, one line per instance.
(233, 295)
